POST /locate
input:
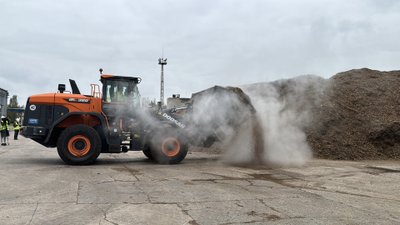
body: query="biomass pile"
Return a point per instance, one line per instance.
(353, 115)
(360, 118)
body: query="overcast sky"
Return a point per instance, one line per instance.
(207, 42)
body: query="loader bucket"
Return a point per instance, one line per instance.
(218, 113)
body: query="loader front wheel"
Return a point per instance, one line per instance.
(168, 148)
(147, 152)
(79, 145)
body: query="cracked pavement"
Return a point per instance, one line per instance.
(38, 188)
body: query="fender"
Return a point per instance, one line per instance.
(103, 122)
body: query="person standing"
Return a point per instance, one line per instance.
(8, 130)
(4, 130)
(17, 128)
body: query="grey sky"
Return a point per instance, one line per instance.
(208, 42)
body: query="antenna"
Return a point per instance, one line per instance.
(162, 62)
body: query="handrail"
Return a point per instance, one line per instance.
(95, 90)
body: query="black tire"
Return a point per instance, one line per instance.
(79, 145)
(168, 147)
(147, 151)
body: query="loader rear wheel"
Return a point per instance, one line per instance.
(168, 147)
(79, 145)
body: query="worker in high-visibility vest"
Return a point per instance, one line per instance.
(17, 128)
(4, 131)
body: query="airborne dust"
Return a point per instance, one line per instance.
(263, 124)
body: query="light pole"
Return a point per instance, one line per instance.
(162, 62)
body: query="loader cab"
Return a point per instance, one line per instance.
(121, 90)
(119, 93)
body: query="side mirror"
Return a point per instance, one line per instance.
(61, 88)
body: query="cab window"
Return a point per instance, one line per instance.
(122, 92)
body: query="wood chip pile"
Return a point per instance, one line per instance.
(360, 119)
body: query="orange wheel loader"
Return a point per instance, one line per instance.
(107, 121)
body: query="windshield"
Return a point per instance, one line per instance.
(121, 91)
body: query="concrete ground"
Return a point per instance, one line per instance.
(38, 188)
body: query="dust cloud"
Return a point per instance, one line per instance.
(285, 111)
(263, 124)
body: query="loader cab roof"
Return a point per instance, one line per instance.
(104, 77)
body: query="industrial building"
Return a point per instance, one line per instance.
(3, 101)
(176, 101)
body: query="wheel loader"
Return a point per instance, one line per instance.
(110, 120)
(107, 121)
